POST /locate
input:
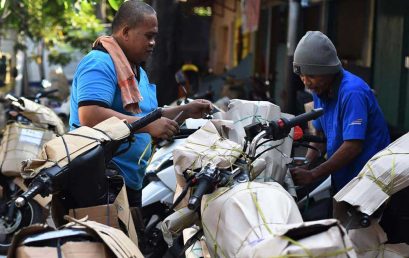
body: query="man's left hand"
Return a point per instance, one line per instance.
(302, 176)
(198, 108)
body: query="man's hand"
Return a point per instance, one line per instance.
(302, 176)
(198, 108)
(163, 128)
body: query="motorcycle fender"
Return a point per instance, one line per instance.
(168, 177)
(43, 201)
(156, 191)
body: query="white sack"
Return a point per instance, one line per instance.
(243, 113)
(243, 215)
(205, 146)
(383, 175)
(323, 238)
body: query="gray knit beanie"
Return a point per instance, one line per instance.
(316, 55)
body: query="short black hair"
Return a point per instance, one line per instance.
(131, 13)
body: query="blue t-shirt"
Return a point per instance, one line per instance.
(95, 80)
(352, 113)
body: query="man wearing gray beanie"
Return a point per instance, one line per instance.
(353, 123)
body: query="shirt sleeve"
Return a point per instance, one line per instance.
(354, 116)
(96, 82)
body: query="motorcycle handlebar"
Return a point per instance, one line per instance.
(202, 187)
(29, 194)
(144, 121)
(303, 118)
(281, 128)
(205, 180)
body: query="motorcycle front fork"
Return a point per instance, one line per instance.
(13, 190)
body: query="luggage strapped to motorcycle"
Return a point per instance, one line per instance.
(39, 239)
(61, 150)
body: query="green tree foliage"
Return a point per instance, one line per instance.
(57, 25)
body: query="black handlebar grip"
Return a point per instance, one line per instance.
(201, 189)
(300, 119)
(28, 195)
(144, 121)
(313, 138)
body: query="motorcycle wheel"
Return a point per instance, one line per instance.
(32, 213)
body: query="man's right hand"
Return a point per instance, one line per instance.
(163, 128)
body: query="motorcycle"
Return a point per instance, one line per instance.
(243, 218)
(29, 125)
(158, 192)
(77, 178)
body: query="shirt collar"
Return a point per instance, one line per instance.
(333, 91)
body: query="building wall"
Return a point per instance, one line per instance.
(391, 50)
(222, 34)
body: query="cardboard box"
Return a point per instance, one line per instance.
(21, 142)
(79, 239)
(104, 214)
(110, 214)
(68, 250)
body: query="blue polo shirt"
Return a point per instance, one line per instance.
(351, 113)
(95, 81)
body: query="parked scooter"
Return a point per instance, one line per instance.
(29, 125)
(239, 216)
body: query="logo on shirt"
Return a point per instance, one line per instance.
(357, 122)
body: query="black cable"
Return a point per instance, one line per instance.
(309, 146)
(103, 132)
(59, 253)
(270, 148)
(191, 241)
(268, 140)
(182, 194)
(66, 150)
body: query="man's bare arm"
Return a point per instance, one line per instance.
(347, 152)
(91, 115)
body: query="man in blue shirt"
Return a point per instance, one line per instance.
(96, 95)
(353, 122)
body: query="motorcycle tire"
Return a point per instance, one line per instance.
(32, 213)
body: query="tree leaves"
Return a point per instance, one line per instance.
(61, 25)
(115, 4)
